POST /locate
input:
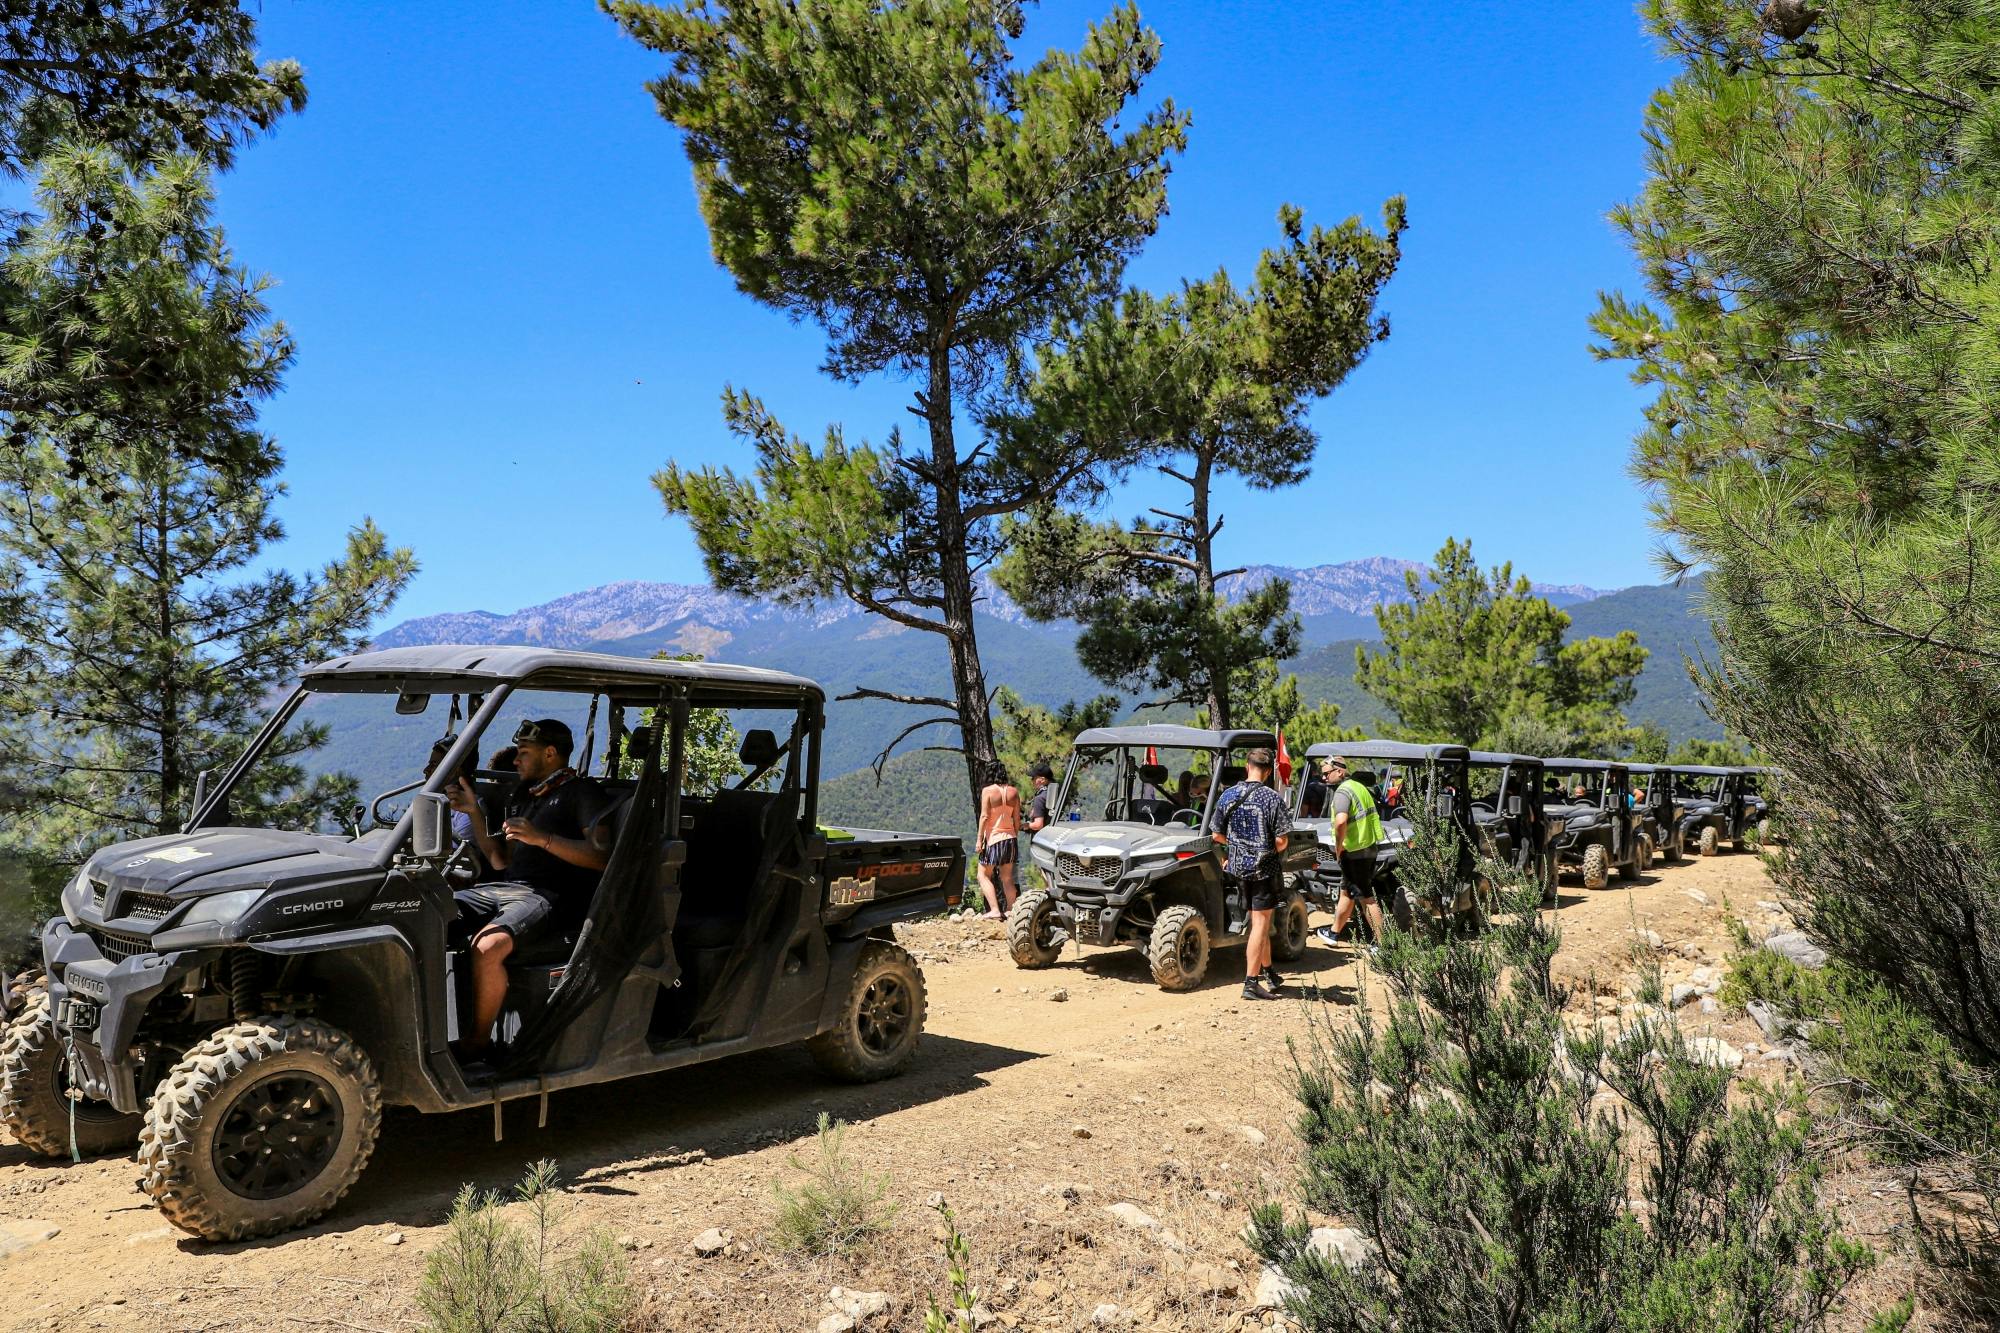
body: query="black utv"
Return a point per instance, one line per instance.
(1719, 805)
(1653, 795)
(1509, 810)
(1397, 774)
(1128, 858)
(1601, 831)
(243, 999)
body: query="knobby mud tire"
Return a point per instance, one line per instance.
(192, 1104)
(1178, 950)
(34, 1104)
(1289, 931)
(1596, 866)
(1672, 851)
(1035, 935)
(1710, 842)
(881, 1017)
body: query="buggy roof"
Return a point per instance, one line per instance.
(1494, 758)
(1404, 750)
(1586, 765)
(1706, 770)
(461, 668)
(1186, 738)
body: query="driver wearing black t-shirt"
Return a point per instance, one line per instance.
(547, 858)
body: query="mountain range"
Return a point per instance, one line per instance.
(842, 647)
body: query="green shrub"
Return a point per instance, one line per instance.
(1457, 1132)
(837, 1205)
(495, 1275)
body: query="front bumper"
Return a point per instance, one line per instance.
(98, 1003)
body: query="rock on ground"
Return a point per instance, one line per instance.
(1132, 1215)
(711, 1242)
(1715, 1051)
(1794, 945)
(857, 1304)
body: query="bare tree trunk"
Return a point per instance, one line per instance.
(1217, 684)
(968, 677)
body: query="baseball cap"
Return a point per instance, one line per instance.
(546, 731)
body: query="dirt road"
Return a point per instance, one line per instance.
(1039, 1099)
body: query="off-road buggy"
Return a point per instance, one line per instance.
(1601, 832)
(1508, 809)
(1398, 774)
(1660, 809)
(1718, 805)
(1128, 858)
(241, 1001)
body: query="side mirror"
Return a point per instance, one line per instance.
(409, 705)
(1514, 807)
(430, 825)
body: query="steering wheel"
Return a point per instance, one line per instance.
(1122, 804)
(462, 852)
(1193, 817)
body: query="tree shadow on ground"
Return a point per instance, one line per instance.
(607, 1136)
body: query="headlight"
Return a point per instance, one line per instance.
(222, 907)
(75, 896)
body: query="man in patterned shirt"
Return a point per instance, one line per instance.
(1254, 824)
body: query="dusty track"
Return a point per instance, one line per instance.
(1162, 1085)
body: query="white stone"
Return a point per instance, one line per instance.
(1703, 976)
(1766, 905)
(396, 1238)
(1697, 895)
(1252, 1135)
(1106, 1315)
(1344, 1244)
(1709, 1006)
(1691, 951)
(1132, 1215)
(858, 1305)
(1794, 945)
(836, 1323)
(1652, 939)
(1272, 1289)
(711, 1242)
(1681, 994)
(1770, 1020)
(1714, 1051)
(1058, 995)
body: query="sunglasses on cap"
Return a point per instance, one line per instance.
(529, 733)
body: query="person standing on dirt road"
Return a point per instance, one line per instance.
(1254, 824)
(1041, 809)
(548, 857)
(999, 841)
(1357, 836)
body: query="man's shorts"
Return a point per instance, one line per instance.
(1357, 877)
(514, 908)
(1263, 892)
(1000, 851)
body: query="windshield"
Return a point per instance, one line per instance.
(1393, 783)
(1146, 784)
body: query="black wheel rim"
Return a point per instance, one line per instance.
(1043, 929)
(278, 1135)
(1295, 926)
(883, 1019)
(1190, 947)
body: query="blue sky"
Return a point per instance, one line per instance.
(487, 245)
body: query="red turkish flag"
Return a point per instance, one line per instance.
(1284, 761)
(1152, 754)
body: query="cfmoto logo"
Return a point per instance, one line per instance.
(324, 905)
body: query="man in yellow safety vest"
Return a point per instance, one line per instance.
(1357, 834)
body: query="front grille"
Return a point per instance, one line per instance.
(145, 906)
(1326, 858)
(116, 947)
(97, 894)
(1101, 869)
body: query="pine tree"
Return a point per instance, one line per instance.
(146, 78)
(1476, 658)
(136, 647)
(1212, 381)
(888, 172)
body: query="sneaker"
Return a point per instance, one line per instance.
(1252, 991)
(1271, 978)
(1325, 935)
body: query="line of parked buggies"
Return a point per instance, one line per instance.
(1128, 858)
